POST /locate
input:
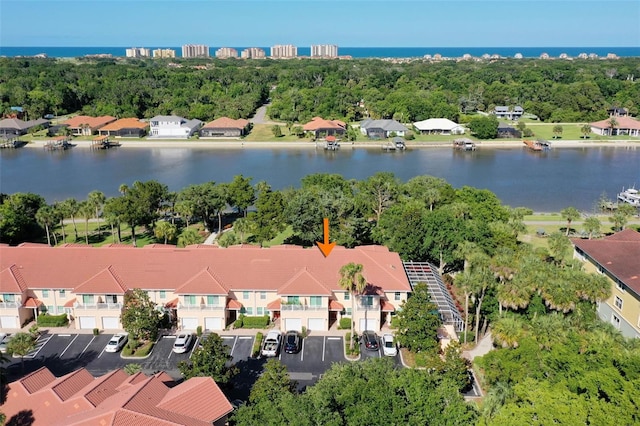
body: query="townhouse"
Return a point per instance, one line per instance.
(199, 285)
(616, 257)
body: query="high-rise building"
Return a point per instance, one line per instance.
(284, 51)
(226, 52)
(138, 52)
(164, 53)
(324, 51)
(195, 51)
(253, 53)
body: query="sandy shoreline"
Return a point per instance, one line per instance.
(240, 144)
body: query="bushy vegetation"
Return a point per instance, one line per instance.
(244, 321)
(257, 344)
(345, 323)
(53, 320)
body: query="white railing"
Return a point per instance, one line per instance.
(9, 305)
(302, 308)
(200, 307)
(112, 306)
(368, 307)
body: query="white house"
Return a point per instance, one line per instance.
(382, 128)
(442, 126)
(171, 126)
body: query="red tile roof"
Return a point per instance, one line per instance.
(623, 123)
(275, 305)
(11, 281)
(618, 254)
(104, 282)
(334, 305)
(199, 397)
(36, 380)
(125, 123)
(172, 303)
(318, 123)
(70, 303)
(205, 282)
(32, 303)
(234, 305)
(93, 122)
(386, 306)
(226, 123)
(304, 283)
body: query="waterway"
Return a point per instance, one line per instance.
(548, 181)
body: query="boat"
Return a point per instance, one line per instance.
(537, 145)
(464, 144)
(395, 144)
(630, 196)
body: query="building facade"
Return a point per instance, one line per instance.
(138, 52)
(324, 51)
(172, 126)
(164, 53)
(284, 51)
(226, 52)
(253, 53)
(195, 51)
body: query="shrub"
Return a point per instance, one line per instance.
(410, 136)
(356, 345)
(53, 320)
(96, 331)
(257, 344)
(255, 322)
(145, 349)
(199, 331)
(238, 323)
(305, 332)
(345, 323)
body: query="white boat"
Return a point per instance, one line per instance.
(630, 196)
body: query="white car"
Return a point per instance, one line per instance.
(389, 345)
(117, 342)
(4, 340)
(182, 343)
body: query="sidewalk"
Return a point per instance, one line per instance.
(484, 346)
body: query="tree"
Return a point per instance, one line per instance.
(96, 200)
(132, 369)
(140, 317)
(242, 227)
(189, 236)
(269, 218)
(165, 230)
(521, 126)
(557, 131)
(240, 193)
(401, 228)
(209, 361)
(613, 123)
(47, 216)
(273, 380)
(378, 192)
(352, 280)
(485, 127)
(570, 214)
(18, 217)
(20, 345)
(71, 207)
(621, 216)
(592, 225)
(276, 130)
(85, 210)
(585, 130)
(61, 213)
(559, 246)
(418, 321)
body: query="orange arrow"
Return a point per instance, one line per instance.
(326, 247)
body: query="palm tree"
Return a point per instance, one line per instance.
(122, 189)
(508, 331)
(165, 230)
(592, 225)
(85, 210)
(241, 228)
(60, 208)
(585, 129)
(96, 200)
(352, 280)
(47, 216)
(570, 214)
(188, 237)
(613, 123)
(21, 345)
(71, 207)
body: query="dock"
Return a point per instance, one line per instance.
(537, 145)
(396, 144)
(464, 144)
(103, 142)
(58, 143)
(11, 142)
(331, 143)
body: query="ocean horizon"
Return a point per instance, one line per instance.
(355, 52)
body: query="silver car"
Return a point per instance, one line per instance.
(182, 343)
(117, 342)
(389, 345)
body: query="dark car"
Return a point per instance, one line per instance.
(292, 342)
(370, 340)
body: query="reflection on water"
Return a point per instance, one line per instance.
(546, 181)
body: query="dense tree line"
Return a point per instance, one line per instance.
(554, 90)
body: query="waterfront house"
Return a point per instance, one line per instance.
(439, 126)
(17, 127)
(508, 113)
(225, 127)
(616, 257)
(125, 128)
(173, 127)
(84, 125)
(114, 398)
(506, 131)
(622, 125)
(617, 112)
(378, 129)
(320, 127)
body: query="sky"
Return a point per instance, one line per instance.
(351, 23)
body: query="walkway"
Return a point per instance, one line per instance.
(482, 348)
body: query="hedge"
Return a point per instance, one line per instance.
(345, 323)
(257, 345)
(253, 322)
(53, 320)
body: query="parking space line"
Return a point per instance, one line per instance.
(104, 348)
(324, 345)
(302, 351)
(39, 345)
(195, 345)
(88, 344)
(333, 338)
(234, 345)
(71, 343)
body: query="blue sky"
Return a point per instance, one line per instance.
(353, 23)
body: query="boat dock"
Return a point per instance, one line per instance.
(103, 142)
(630, 196)
(464, 144)
(396, 144)
(331, 143)
(10, 142)
(537, 145)
(58, 143)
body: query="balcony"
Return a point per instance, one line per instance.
(368, 307)
(87, 306)
(10, 305)
(284, 307)
(200, 307)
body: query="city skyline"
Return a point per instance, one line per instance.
(355, 23)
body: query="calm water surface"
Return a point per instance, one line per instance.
(546, 181)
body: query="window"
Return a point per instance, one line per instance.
(61, 309)
(260, 311)
(49, 309)
(347, 296)
(245, 295)
(250, 310)
(315, 301)
(615, 320)
(87, 299)
(618, 302)
(397, 296)
(293, 300)
(111, 298)
(263, 295)
(348, 311)
(367, 300)
(163, 294)
(213, 300)
(190, 299)
(619, 286)
(45, 293)
(8, 297)
(61, 293)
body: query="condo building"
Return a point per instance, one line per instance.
(195, 51)
(164, 53)
(284, 51)
(138, 52)
(253, 53)
(226, 52)
(324, 51)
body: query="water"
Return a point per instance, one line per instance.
(356, 52)
(548, 181)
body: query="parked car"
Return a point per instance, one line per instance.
(271, 345)
(292, 342)
(117, 342)
(389, 345)
(4, 341)
(182, 343)
(370, 340)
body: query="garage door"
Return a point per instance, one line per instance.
(8, 322)
(293, 324)
(369, 324)
(189, 323)
(316, 324)
(110, 323)
(87, 322)
(213, 324)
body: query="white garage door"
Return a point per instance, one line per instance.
(293, 324)
(369, 324)
(110, 323)
(213, 324)
(8, 322)
(189, 323)
(316, 324)
(87, 322)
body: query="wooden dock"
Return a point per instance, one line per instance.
(58, 143)
(538, 145)
(11, 142)
(464, 144)
(331, 143)
(103, 142)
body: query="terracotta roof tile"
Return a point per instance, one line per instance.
(334, 305)
(172, 303)
(104, 282)
(37, 380)
(125, 123)
(104, 387)
(275, 305)
(32, 303)
(318, 123)
(623, 123)
(304, 283)
(226, 123)
(67, 386)
(93, 122)
(204, 282)
(387, 306)
(234, 305)
(70, 303)
(198, 397)
(11, 281)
